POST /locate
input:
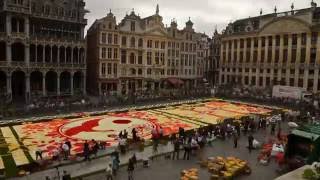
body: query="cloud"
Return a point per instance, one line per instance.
(205, 14)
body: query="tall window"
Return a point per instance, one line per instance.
(133, 42)
(157, 58)
(109, 53)
(124, 41)
(163, 45)
(123, 56)
(103, 38)
(140, 57)
(115, 53)
(109, 38)
(109, 68)
(103, 53)
(149, 43)
(140, 43)
(103, 69)
(156, 45)
(115, 39)
(115, 68)
(132, 58)
(133, 26)
(149, 58)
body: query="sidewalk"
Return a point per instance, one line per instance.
(82, 168)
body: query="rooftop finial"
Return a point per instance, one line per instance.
(275, 9)
(110, 11)
(260, 11)
(313, 4)
(292, 7)
(157, 10)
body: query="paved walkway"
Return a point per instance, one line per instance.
(95, 165)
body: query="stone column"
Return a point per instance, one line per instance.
(27, 26)
(9, 88)
(84, 83)
(44, 91)
(8, 52)
(27, 54)
(27, 79)
(8, 25)
(78, 59)
(58, 55)
(71, 84)
(44, 53)
(306, 71)
(51, 54)
(58, 83)
(71, 60)
(36, 49)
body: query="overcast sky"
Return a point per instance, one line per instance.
(206, 14)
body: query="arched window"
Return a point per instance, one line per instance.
(133, 42)
(140, 71)
(132, 58)
(133, 71)
(140, 43)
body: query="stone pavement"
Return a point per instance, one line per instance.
(83, 168)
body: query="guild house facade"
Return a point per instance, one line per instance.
(42, 48)
(281, 48)
(142, 54)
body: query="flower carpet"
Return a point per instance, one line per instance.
(19, 142)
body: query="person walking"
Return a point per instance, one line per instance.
(273, 128)
(66, 176)
(130, 169)
(235, 140)
(115, 165)
(250, 141)
(66, 150)
(176, 151)
(109, 172)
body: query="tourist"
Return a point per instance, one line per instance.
(95, 147)
(176, 150)
(134, 135)
(125, 134)
(66, 176)
(250, 142)
(65, 149)
(86, 151)
(56, 154)
(69, 145)
(187, 149)
(130, 169)
(115, 164)
(273, 128)
(160, 132)
(238, 129)
(120, 135)
(122, 145)
(109, 172)
(102, 145)
(235, 140)
(181, 132)
(39, 154)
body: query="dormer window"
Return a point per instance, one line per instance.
(133, 26)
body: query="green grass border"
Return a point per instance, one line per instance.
(11, 169)
(27, 153)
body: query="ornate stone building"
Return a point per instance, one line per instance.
(279, 48)
(141, 54)
(42, 48)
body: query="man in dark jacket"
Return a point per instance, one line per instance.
(176, 149)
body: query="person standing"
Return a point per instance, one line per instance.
(115, 165)
(65, 149)
(134, 135)
(69, 145)
(273, 128)
(86, 151)
(187, 149)
(176, 151)
(109, 172)
(250, 141)
(130, 169)
(66, 176)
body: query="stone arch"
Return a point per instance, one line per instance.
(3, 55)
(82, 55)
(18, 51)
(55, 54)
(62, 56)
(32, 52)
(75, 55)
(285, 25)
(40, 50)
(65, 82)
(47, 53)
(36, 78)
(68, 54)
(18, 85)
(78, 78)
(51, 82)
